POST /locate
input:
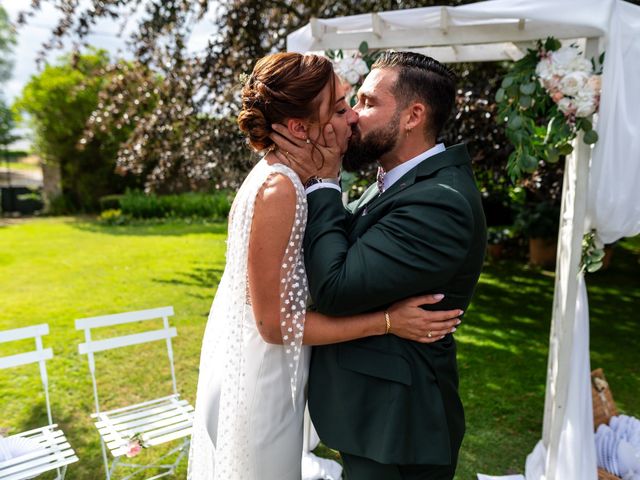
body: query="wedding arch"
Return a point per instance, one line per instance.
(599, 190)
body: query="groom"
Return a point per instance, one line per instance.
(391, 406)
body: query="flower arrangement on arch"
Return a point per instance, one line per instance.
(545, 99)
(353, 68)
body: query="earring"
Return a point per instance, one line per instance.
(308, 141)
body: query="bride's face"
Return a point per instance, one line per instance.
(338, 113)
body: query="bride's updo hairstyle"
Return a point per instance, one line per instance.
(282, 86)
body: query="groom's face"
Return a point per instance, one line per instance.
(377, 131)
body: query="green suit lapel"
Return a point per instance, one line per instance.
(455, 155)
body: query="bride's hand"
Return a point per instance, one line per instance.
(308, 158)
(410, 321)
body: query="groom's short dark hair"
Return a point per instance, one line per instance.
(423, 79)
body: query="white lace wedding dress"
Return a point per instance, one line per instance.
(251, 395)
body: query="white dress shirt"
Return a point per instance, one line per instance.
(393, 175)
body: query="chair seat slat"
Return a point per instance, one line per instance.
(139, 414)
(50, 453)
(148, 429)
(144, 420)
(174, 435)
(168, 398)
(38, 470)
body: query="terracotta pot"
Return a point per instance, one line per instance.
(495, 251)
(542, 251)
(608, 254)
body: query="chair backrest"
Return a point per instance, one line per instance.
(89, 347)
(39, 355)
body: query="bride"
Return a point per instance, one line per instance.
(253, 369)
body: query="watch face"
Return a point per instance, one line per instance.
(312, 181)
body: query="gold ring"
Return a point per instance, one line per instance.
(429, 334)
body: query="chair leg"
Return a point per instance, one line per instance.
(107, 470)
(61, 472)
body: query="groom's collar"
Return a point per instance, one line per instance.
(393, 175)
(452, 156)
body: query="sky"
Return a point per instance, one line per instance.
(38, 30)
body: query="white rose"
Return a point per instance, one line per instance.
(544, 69)
(595, 83)
(585, 107)
(573, 83)
(352, 77)
(562, 60)
(581, 64)
(566, 106)
(360, 66)
(586, 103)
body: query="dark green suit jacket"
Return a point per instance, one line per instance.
(393, 400)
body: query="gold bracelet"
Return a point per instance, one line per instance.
(387, 320)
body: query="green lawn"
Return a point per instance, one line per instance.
(19, 166)
(58, 269)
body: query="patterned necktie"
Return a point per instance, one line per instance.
(380, 179)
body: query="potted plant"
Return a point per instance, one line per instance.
(497, 236)
(539, 222)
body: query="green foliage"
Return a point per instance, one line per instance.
(60, 100)
(592, 253)
(499, 234)
(110, 202)
(7, 124)
(538, 220)
(7, 42)
(203, 205)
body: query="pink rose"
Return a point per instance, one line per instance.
(595, 83)
(557, 96)
(133, 449)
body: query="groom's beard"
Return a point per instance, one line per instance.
(363, 151)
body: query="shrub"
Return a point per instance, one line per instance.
(109, 202)
(202, 205)
(113, 217)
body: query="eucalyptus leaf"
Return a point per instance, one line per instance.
(525, 101)
(529, 163)
(528, 88)
(514, 122)
(363, 48)
(585, 124)
(594, 267)
(500, 95)
(590, 137)
(565, 149)
(553, 155)
(507, 82)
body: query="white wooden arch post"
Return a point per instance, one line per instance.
(491, 41)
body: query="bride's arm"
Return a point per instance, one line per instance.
(273, 218)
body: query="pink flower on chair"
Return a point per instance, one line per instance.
(135, 446)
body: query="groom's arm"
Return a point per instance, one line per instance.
(414, 249)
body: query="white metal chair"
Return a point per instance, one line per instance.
(154, 422)
(54, 452)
